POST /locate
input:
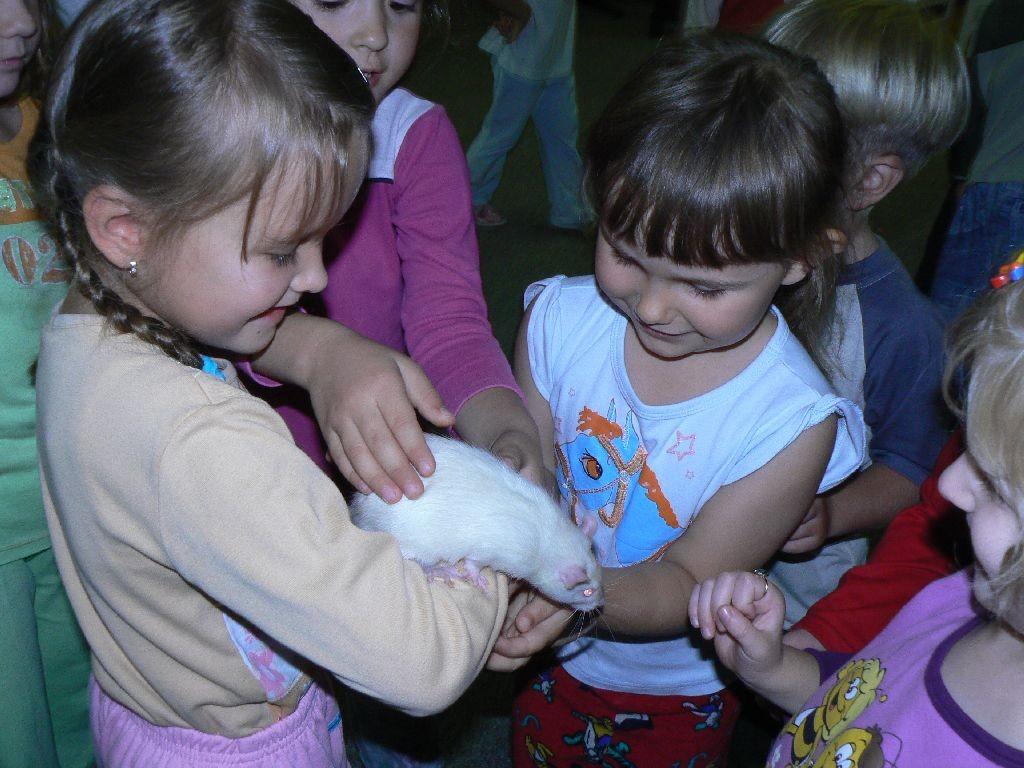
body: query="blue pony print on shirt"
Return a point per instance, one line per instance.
(604, 470)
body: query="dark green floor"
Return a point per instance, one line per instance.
(526, 249)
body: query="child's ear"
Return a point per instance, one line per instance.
(838, 239)
(881, 174)
(113, 225)
(797, 271)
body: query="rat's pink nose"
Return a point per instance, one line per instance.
(572, 576)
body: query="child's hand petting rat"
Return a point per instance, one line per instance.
(532, 624)
(742, 612)
(365, 397)
(496, 420)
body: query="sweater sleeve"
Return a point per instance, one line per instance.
(278, 548)
(918, 547)
(444, 315)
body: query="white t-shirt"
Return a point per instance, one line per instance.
(646, 471)
(544, 49)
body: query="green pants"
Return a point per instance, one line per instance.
(44, 670)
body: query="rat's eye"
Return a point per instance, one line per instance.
(591, 466)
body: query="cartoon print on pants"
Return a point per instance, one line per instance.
(539, 753)
(710, 713)
(604, 469)
(598, 743)
(545, 685)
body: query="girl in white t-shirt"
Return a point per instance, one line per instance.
(682, 408)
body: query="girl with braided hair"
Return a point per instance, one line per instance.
(193, 154)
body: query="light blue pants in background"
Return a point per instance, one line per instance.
(551, 104)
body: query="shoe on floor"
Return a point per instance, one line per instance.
(487, 216)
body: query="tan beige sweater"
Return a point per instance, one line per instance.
(170, 493)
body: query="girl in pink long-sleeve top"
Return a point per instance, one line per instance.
(405, 274)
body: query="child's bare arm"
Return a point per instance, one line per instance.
(536, 405)
(365, 397)
(739, 528)
(743, 613)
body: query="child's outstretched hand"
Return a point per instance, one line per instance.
(532, 624)
(743, 619)
(365, 397)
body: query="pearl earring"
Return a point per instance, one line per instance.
(133, 268)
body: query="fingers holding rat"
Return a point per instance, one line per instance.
(536, 624)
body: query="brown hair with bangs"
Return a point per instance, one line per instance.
(190, 106)
(721, 150)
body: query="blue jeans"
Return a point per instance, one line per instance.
(987, 227)
(552, 106)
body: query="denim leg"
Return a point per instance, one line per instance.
(511, 106)
(556, 119)
(987, 226)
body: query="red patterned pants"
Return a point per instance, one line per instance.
(559, 722)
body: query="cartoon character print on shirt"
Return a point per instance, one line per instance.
(598, 741)
(604, 469)
(854, 748)
(28, 252)
(855, 688)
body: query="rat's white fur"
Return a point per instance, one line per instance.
(476, 508)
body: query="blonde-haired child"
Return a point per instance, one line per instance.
(940, 685)
(902, 88)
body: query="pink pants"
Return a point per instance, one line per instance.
(310, 737)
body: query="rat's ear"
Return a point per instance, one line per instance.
(879, 176)
(114, 225)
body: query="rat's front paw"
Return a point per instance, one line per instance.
(445, 572)
(464, 570)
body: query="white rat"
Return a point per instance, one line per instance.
(477, 509)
